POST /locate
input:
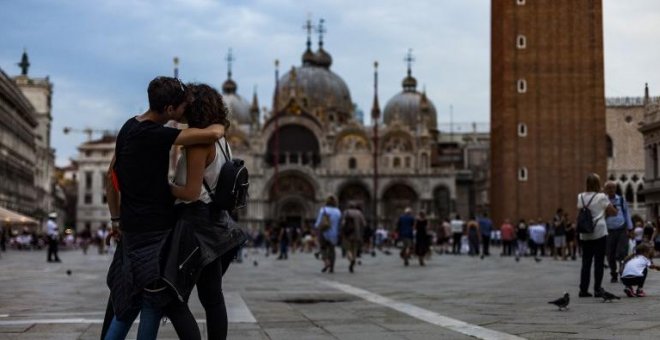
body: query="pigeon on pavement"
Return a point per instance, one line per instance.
(608, 297)
(562, 302)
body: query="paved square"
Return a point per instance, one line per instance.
(453, 297)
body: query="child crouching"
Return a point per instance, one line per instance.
(635, 269)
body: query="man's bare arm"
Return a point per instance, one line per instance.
(208, 135)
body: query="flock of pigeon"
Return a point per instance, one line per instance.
(563, 301)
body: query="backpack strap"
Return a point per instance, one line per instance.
(588, 204)
(225, 153)
(206, 185)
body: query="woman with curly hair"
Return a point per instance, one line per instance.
(203, 242)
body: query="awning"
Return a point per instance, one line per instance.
(11, 217)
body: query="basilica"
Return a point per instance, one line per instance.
(311, 144)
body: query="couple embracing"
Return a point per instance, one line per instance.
(171, 236)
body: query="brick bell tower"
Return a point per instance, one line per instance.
(547, 105)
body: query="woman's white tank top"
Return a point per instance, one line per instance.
(211, 171)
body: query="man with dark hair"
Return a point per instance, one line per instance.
(141, 206)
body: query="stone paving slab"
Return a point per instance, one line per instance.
(496, 293)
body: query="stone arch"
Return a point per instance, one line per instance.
(396, 197)
(305, 176)
(355, 192)
(352, 140)
(293, 197)
(442, 201)
(640, 195)
(297, 145)
(397, 141)
(630, 195)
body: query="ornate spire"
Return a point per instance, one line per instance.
(646, 94)
(308, 56)
(409, 82)
(230, 59)
(375, 108)
(25, 63)
(323, 58)
(229, 86)
(320, 29)
(254, 108)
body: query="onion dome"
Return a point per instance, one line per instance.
(315, 87)
(323, 58)
(239, 108)
(410, 106)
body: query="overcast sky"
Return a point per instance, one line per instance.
(100, 55)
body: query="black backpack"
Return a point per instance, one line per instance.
(348, 229)
(585, 221)
(231, 190)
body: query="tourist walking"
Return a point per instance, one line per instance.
(537, 236)
(508, 237)
(486, 228)
(619, 227)
(53, 235)
(473, 235)
(327, 224)
(457, 232)
(522, 237)
(405, 229)
(560, 235)
(85, 238)
(352, 228)
(597, 206)
(571, 238)
(422, 239)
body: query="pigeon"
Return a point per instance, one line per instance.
(537, 259)
(68, 272)
(608, 297)
(561, 302)
(255, 263)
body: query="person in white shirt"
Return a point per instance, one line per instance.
(537, 235)
(457, 231)
(635, 269)
(595, 242)
(53, 238)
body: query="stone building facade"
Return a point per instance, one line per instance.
(650, 129)
(625, 148)
(39, 92)
(18, 149)
(92, 164)
(547, 105)
(310, 145)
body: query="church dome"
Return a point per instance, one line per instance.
(323, 58)
(239, 108)
(409, 105)
(317, 88)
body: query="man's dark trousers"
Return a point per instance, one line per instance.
(617, 248)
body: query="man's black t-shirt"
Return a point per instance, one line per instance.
(142, 157)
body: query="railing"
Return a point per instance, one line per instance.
(628, 101)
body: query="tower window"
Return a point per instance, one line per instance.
(522, 86)
(520, 2)
(521, 42)
(352, 163)
(522, 130)
(522, 174)
(396, 163)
